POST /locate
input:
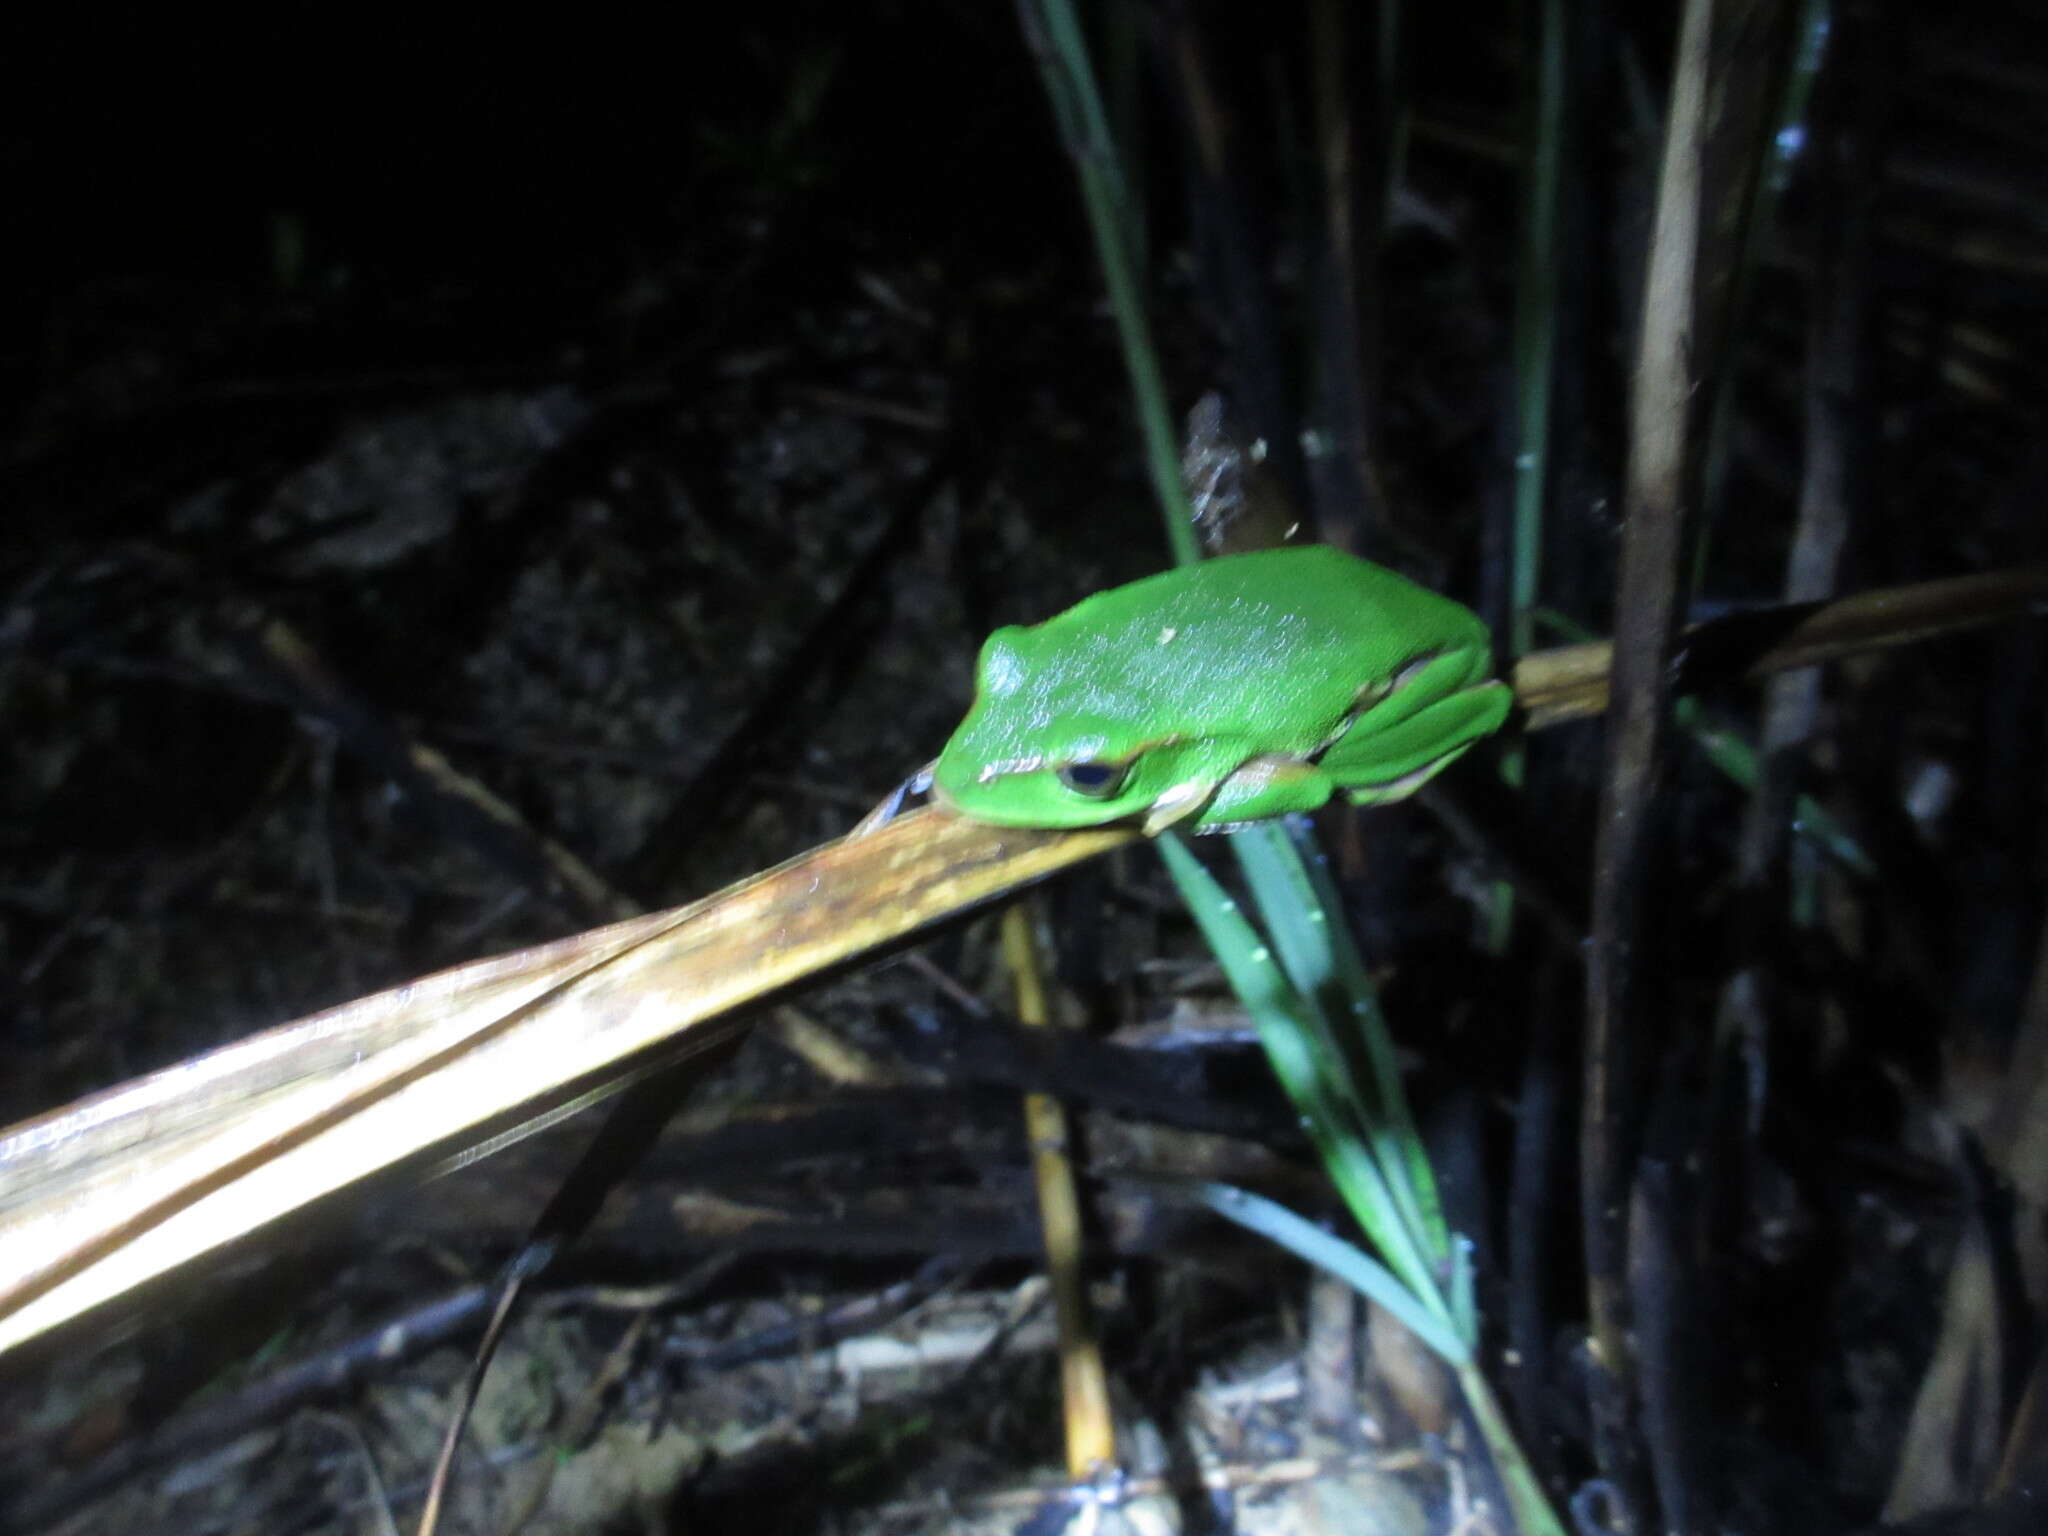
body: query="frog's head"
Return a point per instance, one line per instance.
(1043, 747)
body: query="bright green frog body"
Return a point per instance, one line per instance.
(1222, 692)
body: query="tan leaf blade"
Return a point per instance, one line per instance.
(103, 1195)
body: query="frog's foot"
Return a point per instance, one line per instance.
(1176, 805)
(919, 783)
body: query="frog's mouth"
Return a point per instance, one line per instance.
(1004, 768)
(1121, 765)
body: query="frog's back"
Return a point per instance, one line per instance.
(1345, 599)
(1304, 602)
(1271, 644)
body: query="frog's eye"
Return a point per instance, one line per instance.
(1098, 781)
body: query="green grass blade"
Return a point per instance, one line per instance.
(1288, 878)
(1061, 53)
(1356, 1268)
(1284, 1019)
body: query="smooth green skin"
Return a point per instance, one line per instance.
(1230, 690)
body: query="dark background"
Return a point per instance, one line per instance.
(651, 411)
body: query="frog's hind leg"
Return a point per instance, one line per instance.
(1373, 766)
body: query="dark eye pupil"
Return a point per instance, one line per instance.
(1097, 780)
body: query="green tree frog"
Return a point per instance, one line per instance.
(1221, 692)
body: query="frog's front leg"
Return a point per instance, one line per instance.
(1390, 752)
(1265, 786)
(919, 783)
